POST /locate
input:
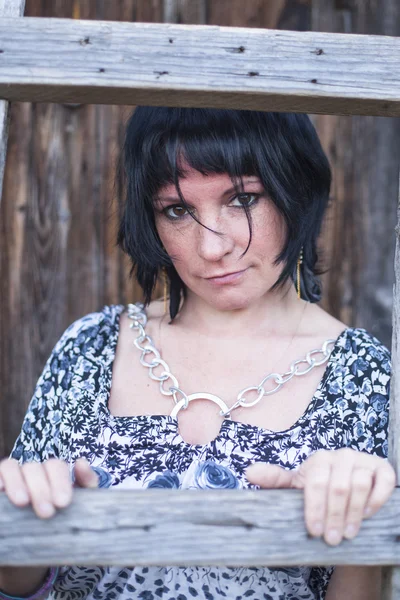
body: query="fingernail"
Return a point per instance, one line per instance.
(317, 529)
(333, 536)
(21, 497)
(62, 499)
(350, 531)
(46, 509)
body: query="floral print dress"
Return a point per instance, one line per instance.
(68, 417)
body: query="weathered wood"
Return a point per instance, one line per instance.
(358, 239)
(12, 8)
(391, 579)
(61, 60)
(170, 527)
(8, 8)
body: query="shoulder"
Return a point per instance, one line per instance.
(106, 317)
(90, 333)
(365, 391)
(92, 323)
(362, 352)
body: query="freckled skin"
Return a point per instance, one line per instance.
(198, 253)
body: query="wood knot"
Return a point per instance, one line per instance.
(317, 51)
(253, 73)
(85, 41)
(314, 81)
(238, 50)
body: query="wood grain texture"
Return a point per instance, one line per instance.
(58, 221)
(62, 60)
(12, 8)
(359, 229)
(358, 238)
(391, 576)
(8, 8)
(171, 527)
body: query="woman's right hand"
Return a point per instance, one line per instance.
(46, 486)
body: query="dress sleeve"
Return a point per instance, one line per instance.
(39, 438)
(366, 392)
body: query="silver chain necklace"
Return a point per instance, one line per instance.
(144, 343)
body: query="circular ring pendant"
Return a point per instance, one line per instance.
(199, 396)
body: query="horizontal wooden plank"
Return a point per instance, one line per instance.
(65, 60)
(169, 527)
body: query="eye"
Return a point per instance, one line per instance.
(175, 211)
(244, 200)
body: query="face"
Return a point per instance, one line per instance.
(210, 265)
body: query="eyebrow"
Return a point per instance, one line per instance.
(225, 193)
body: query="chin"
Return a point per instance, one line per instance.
(230, 301)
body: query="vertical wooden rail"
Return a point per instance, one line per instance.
(391, 575)
(8, 8)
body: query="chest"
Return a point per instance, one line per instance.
(223, 371)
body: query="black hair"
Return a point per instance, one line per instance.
(282, 149)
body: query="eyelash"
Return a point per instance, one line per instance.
(172, 206)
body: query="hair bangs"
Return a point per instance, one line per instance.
(281, 149)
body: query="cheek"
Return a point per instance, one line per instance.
(175, 243)
(269, 232)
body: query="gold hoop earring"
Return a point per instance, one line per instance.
(165, 289)
(299, 262)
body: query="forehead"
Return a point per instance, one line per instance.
(194, 179)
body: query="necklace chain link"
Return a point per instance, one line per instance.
(151, 359)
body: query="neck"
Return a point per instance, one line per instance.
(273, 314)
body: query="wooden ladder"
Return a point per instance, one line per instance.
(64, 60)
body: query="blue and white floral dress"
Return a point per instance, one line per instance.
(68, 417)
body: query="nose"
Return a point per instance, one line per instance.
(213, 246)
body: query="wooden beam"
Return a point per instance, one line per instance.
(8, 8)
(391, 576)
(66, 60)
(169, 527)
(394, 416)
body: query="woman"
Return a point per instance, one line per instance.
(228, 206)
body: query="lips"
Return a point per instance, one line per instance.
(226, 278)
(224, 275)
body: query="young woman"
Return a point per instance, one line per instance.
(239, 380)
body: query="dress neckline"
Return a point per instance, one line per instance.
(163, 423)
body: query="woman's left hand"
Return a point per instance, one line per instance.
(341, 487)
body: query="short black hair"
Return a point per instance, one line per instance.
(282, 149)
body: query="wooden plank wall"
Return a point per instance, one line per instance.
(60, 205)
(365, 153)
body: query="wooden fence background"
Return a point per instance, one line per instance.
(60, 201)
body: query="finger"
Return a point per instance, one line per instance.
(315, 497)
(84, 476)
(39, 489)
(269, 476)
(337, 502)
(2, 486)
(57, 472)
(361, 485)
(13, 481)
(383, 486)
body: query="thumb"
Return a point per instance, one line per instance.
(272, 476)
(85, 477)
